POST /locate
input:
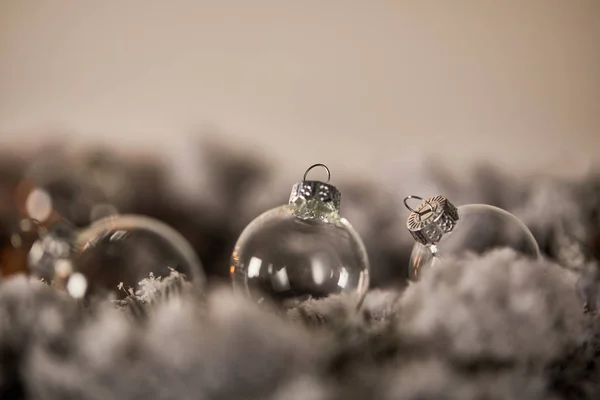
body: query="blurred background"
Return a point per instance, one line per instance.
(355, 84)
(234, 99)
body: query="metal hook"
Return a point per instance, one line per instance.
(432, 209)
(318, 165)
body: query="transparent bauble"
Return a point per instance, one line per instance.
(480, 228)
(111, 257)
(300, 251)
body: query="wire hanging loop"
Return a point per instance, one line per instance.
(318, 165)
(421, 212)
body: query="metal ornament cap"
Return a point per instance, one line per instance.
(431, 219)
(316, 199)
(318, 193)
(305, 191)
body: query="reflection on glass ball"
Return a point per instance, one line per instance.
(480, 228)
(114, 254)
(290, 257)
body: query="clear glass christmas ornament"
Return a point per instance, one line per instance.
(113, 255)
(302, 250)
(444, 230)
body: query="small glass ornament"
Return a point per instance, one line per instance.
(113, 255)
(443, 230)
(302, 250)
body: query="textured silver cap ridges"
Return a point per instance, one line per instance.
(305, 191)
(432, 219)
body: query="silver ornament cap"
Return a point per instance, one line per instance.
(322, 193)
(431, 219)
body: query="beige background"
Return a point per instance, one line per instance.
(344, 82)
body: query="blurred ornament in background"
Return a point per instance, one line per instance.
(112, 256)
(302, 250)
(444, 230)
(44, 197)
(48, 230)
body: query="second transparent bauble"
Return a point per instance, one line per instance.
(300, 251)
(442, 230)
(114, 255)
